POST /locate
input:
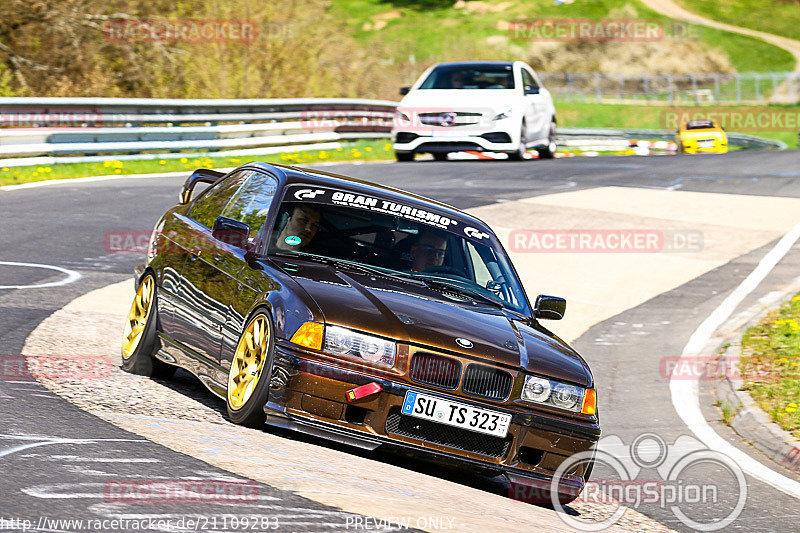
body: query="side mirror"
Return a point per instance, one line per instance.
(231, 232)
(531, 89)
(550, 307)
(404, 90)
(201, 175)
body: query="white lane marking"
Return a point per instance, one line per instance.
(685, 393)
(44, 441)
(91, 490)
(77, 458)
(72, 276)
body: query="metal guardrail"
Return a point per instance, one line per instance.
(173, 126)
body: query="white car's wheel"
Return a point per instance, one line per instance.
(519, 153)
(547, 152)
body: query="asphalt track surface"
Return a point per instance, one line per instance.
(65, 225)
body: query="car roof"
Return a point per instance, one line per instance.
(293, 175)
(474, 63)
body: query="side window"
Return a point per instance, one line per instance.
(251, 202)
(527, 79)
(209, 206)
(482, 274)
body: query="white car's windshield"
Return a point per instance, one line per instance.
(470, 77)
(396, 244)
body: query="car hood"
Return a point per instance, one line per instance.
(484, 101)
(411, 312)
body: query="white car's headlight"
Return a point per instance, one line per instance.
(504, 113)
(546, 391)
(347, 343)
(401, 118)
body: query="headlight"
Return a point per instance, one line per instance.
(401, 119)
(546, 391)
(347, 343)
(505, 113)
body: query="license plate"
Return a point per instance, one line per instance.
(706, 144)
(446, 133)
(456, 414)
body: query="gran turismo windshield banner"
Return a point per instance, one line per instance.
(375, 204)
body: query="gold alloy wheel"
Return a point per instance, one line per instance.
(248, 361)
(138, 316)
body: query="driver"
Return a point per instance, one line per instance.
(457, 80)
(299, 229)
(428, 251)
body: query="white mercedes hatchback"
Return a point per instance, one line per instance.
(484, 106)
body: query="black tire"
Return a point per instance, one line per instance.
(549, 151)
(440, 156)
(404, 156)
(140, 358)
(519, 153)
(251, 411)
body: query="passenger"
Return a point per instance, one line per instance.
(428, 250)
(299, 229)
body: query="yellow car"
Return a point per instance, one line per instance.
(701, 136)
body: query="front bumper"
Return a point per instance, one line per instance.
(309, 396)
(496, 139)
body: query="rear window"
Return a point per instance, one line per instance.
(699, 125)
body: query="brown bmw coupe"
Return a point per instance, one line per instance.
(362, 314)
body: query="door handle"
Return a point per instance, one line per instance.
(195, 253)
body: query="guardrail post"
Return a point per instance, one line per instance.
(694, 88)
(716, 87)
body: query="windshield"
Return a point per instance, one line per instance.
(470, 77)
(398, 240)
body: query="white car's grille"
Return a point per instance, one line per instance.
(450, 118)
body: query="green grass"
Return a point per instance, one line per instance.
(770, 364)
(433, 31)
(770, 16)
(357, 151)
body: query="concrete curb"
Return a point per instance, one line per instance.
(750, 422)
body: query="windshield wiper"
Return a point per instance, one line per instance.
(338, 263)
(440, 284)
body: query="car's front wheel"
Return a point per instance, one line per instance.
(440, 156)
(549, 151)
(249, 376)
(140, 338)
(404, 156)
(519, 153)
